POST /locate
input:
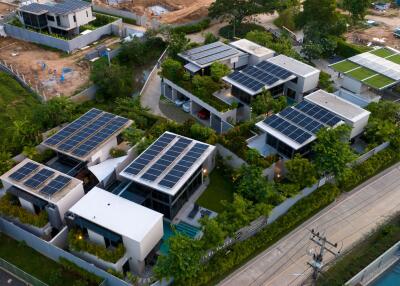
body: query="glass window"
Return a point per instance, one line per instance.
(51, 18)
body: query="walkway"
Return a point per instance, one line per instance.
(10, 280)
(150, 97)
(346, 221)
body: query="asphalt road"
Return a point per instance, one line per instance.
(8, 280)
(345, 221)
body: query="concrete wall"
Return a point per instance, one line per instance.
(104, 153)
(352, 85)
(140, 20)
(61, 44)
(70, 198)
(55, 253)
(230, 158)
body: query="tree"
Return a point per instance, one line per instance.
(201, 133)
(218, 71)
(6, 162)
(301, 171)
(177, 44)
(112, 81)
(253, 186)
(332, 150)
(183, 259)
(357, 8)
(213, 233)
(210, 38)
(385, 110)
(132, 135)
(172, 70)
(54, 112)
(265, 103)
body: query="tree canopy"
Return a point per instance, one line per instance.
(265, 103)
(301, 171)
(357, 8)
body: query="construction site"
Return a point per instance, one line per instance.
(164, 11)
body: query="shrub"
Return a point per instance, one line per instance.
(325, 82)
(116, 153)
(241, 31)
(72, 267)
(287, 18)
(346, 50)
(10, 207)
(192, 28)
(102, 20)
(77, 243)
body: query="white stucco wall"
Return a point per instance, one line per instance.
(66, 202)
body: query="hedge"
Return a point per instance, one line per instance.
(192, 28)
(225, 262)
(72, 267)
(369, 168)
(347, 50)
(241, 31)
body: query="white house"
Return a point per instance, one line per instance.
(107, 219)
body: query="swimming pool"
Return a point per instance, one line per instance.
(181, 227)
(390, 277)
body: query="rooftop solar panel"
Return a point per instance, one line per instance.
(202, 48)
(184, 164)
(287, 129)
(39, 178)
(24, 171)
(274, 70)
(143, 160)
(302, 120)
(260, 75)
(56, 185)
(318, 113)
(72, 127)
(246, 81)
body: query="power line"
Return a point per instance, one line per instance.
(318, 258)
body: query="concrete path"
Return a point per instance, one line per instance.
(150, 97)
(346, 221)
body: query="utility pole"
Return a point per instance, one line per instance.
(324, 244)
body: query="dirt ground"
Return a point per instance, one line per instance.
(6, 8)
(382, 33)
(180, 11)
(43, 67)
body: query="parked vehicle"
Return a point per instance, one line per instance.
(186, 106)
(203, 114)
(180, 101)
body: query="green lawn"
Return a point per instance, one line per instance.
(34, 263)
(379, 81)
(344, 66)
(395, 59)
(383, 53)
(219, 189)
(361, 73)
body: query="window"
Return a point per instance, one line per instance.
(87, 14)
(58, 21)
(50, 18)
(74, 18)
(294, 80)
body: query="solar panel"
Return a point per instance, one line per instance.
(144, 159)
(246, 81)
(56, 185)
(184, 164)
(287, 129)
(260, 75)
(100, 136)
(72, 127)
(39, 178)
(216, 57)
(202, 48)
(210, 52)
(86, 132)
(301, 120)
(274, 70)
(24, 171)
(318, 113)
(166, 160)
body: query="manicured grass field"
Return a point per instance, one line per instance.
(382, 52)
(218, 190)
(378, 81)
(344, 66)
(361, 73)
(395, 59)
(34, 263)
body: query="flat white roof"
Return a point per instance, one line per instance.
(54, 198)
(116, 214)
(297, 67)
(141, 169)
(252, 48)
(341, 107)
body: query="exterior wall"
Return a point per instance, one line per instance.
(96, 238)
(310, 82)
(104, 153)
(359, 126)
(303, 85)
(73, 196)
(27, 205)
(140, 20)
(64, 45)
(352, 85)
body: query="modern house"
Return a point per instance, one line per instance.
(62, 17)
(37, 188)
(293, 130)
(254, 69)
(108, 221)
(167, 173)
(86, 141)
(366, 76)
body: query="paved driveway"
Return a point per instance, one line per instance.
(8, 280)
(346, 221)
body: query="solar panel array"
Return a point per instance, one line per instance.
(210, 53)
(24, 171)
(86, 133)
(302, 121)
(178, 155)
(56, 185)
(39, 178)
(263, 74)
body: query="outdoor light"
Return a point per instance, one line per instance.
(204, 171)
(80, 237)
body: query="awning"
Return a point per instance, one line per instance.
(192, 67)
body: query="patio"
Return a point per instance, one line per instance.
(258, 142)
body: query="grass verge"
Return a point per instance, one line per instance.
(344, 66)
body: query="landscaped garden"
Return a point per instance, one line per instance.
(43, 268)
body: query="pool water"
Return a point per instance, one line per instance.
(390, 277)
(181, 227)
